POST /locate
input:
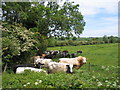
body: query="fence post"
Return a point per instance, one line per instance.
(89, 67)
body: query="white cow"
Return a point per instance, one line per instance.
(54, 67)
(22, 69)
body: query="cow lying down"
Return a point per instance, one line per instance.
(22, 69)
(54, 67)
(77, 62)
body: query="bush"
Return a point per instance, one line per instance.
(19, 44)
(51, 42)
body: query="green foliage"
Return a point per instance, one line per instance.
(51, 42)
(51, 19)
(100, 76)
(16, 40)
(105, 39)
(74, 38)
(74, 41)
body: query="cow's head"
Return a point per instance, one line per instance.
(82, 60)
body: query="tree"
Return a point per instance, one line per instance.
(15, 12)
(105, 39)
(112, 39)
(51, 19)
(74, 38)
(16, 41)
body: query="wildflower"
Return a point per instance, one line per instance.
(103, 67)
(24, 85)
(117, 81)
(36, 83)
(28, 83)
(93, 76)
(99, 83)
(114, 84)
(97, 80)
(106, 80)
(107, 69)
(40, 81)
(107, 85)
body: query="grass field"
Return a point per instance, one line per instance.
(101, 71)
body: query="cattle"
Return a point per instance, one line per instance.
(65, 51)
(67, 55)
(43, 61)
(54, 67)
(73, 55)
(34, 58)
(26, 65)
(79, 52)
(77, 62)
(22, 69)
(51, 54)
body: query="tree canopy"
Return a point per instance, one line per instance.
(48, 20)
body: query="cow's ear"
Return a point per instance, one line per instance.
(87, 59)
(80, 58)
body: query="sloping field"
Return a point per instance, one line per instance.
(101, 71)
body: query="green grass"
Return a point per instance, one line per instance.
(102, 72)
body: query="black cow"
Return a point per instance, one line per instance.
(73, 55)
(79, 52)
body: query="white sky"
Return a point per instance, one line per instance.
(101, 17)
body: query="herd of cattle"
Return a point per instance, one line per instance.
(57, 53)
(65, 64)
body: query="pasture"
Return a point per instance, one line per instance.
(101, 71)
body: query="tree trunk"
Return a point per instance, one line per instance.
(5, 67)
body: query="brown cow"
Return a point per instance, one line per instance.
(77, 62)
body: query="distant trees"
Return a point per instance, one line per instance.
(74, 38)
(105, 39)
(74, 41)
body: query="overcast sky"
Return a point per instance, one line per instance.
(101, 17)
